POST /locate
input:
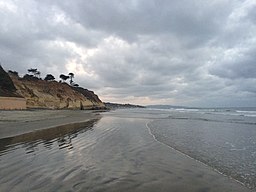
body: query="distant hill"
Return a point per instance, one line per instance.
(121, 106)
(166, 107)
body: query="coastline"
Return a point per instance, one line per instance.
(14, 123)
(151, 163)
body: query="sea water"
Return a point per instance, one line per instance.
(137, 150)
(223, 138)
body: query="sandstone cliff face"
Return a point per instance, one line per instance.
(54, 95)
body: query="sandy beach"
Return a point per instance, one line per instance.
(46, 150)
(13, 123)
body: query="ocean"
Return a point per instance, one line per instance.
(222, 138)
(137, 150)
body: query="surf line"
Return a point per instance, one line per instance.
(216, 170)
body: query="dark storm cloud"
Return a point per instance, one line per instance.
(190, 20)
(140, 51)
(241, 65)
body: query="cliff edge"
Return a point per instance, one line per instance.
(43, 94)
(7, 88)
(54, 95)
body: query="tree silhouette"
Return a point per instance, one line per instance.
(33, 71)
(64, 77)
(49, 77)
(71, 76)
(37, 74)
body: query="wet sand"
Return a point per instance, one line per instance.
(119, 153)
(13, 123)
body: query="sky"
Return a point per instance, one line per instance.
(177, 52)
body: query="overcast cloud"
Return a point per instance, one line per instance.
(179, 52)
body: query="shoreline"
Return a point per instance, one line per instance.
(19, 122)
(42, 126)
(196, 160)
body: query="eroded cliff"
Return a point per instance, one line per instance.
(54, 95)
